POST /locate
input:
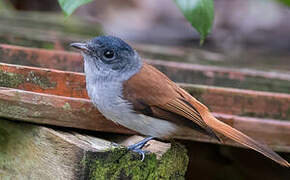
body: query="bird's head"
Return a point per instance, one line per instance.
(109, 57)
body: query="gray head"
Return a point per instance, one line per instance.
(109, 58)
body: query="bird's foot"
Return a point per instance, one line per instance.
(137, 147)
(141, 153)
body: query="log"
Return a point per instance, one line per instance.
(179, 72)
(221, 100)
(33, 152)
(80, 113)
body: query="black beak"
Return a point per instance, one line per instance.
(81, 46)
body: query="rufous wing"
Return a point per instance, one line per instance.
(154, 94)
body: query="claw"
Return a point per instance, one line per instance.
(140, 152)
(138, 147)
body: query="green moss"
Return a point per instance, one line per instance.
(66, 107)
(173, 163)
(39, 80)
(4, 139)
(118, 163)
(84, 110)
(13, 80)
(10, 80)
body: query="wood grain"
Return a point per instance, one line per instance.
(177, 71)
(222, 100)
(80, 113)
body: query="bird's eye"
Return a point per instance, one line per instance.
(109, 54)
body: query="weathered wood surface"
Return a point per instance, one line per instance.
(80, 113)
(221, 100)
(179, 72)
(56, 59)
(72, 109)
(44, 30)
(33, 152)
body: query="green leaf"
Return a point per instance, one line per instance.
(200, 13)
(6, 6)
(69, 6)
(286, 2)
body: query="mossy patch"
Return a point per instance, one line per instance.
(39, 80)
(14, 80)
(10, 80)
(66, 107)
(119, 163)
(4, 138)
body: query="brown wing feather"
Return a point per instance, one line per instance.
(153, 93)
(180, 107)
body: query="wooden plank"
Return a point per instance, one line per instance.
(33, 152)
(80, 113)
(242, 102)
(45, 30)
(61, 60)
(54, 110)
(225, 77)
(222, 100)
(179, 72)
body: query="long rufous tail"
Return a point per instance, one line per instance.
(238, 136)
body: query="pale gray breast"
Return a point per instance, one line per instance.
(109, 101)
(107, 96)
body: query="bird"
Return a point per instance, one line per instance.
(134, 94)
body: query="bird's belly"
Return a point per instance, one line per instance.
(140, 123)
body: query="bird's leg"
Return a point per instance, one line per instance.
(140, 144)
(137, 147)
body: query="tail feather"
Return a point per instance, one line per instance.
(238, 136)
(232, 133)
